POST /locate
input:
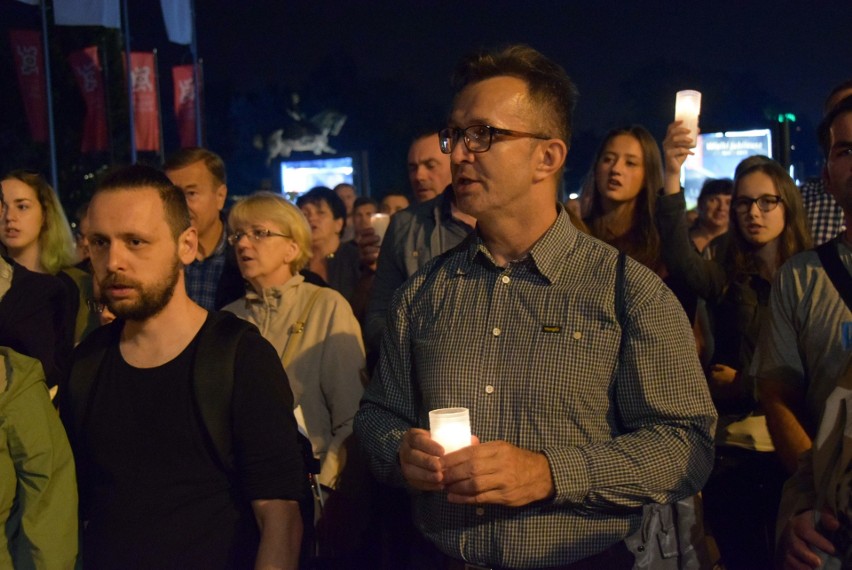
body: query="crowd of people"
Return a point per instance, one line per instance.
(250, 385)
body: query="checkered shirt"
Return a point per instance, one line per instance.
(825, 217)
(202, 276)
(535, 351)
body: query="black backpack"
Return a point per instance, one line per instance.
(213, 383)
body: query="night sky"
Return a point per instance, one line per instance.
(387, 66)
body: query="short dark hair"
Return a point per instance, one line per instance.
(551, 91)
(844, 86)
(824, 129)
(363, 201)
(192, 154)
(396, 192)
(346, 185)
(714, 187)
(320, 194)
(139, 177)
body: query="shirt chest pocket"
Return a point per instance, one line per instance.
(570, 368)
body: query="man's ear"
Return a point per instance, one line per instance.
(221, 196)
(188, 245)
(551, 157)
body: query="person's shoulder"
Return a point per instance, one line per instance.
(17, 372)
(814, 185)
(237, 307)
(419, 212)
(439, 267)
(347, 253)
(39, 283)
(591, 254)
(325, 296)
(802, 262)
(594, 263)
(99, 339)
(225, 322)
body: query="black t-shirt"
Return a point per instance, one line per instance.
(155, 496)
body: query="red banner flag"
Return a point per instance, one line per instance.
(185, 94)
(87, 69)
(29, 63)
(146, 108)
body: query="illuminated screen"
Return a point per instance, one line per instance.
(298, 176)
(717, 156)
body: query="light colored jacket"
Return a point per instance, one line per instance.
(325, 370)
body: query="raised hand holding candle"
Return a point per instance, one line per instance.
(450, 427)
(687, 109)
(380, 224)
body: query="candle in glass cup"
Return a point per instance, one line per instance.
(687, 109)
(450, 427)
(380, 224)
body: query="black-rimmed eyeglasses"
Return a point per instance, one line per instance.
(254, 235)
(765, 203)
(477, 138)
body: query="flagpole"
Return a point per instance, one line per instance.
(54, 172)
(161, 152)
(196, 77)
(108, 100)
(129, 76)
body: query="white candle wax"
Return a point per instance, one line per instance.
(450, 427)
(380, 224)
(687, 109)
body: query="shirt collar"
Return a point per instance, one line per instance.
(272, 295)
(547, 255)
(223, 241)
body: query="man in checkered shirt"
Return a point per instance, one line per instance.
(825, 216)
(212, 279)
(580, 416)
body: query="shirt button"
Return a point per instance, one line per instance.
(505, 279)
(496, 331)
(578, 335)
(489, 389)
(480, 511)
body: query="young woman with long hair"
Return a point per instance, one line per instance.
(767, 227)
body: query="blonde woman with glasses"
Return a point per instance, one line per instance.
(312, 328)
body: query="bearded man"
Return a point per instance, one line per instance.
(155, 495)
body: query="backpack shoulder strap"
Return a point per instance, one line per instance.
(213, 380)
(840, 278)
(619, 287)
(76, 394)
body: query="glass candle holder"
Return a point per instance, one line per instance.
(687, 109)
(450, 427)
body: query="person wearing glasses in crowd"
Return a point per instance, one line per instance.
(312, 328)
(581, 413)
(767, 227)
